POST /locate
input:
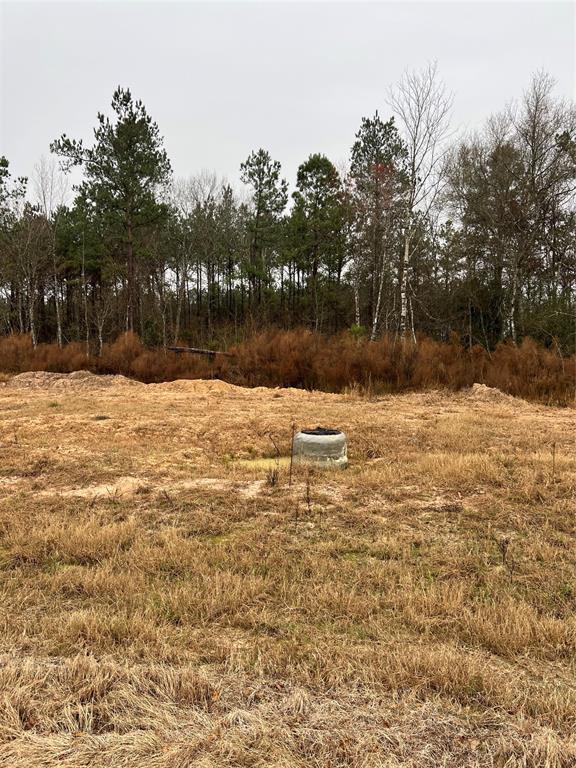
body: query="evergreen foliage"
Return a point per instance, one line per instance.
(492, 259)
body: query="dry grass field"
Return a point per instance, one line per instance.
(166, 603)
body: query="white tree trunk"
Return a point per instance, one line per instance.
(58, 310)
(21, 313)
(356, 304)
(376, 317)
(513, 299)
(31, 317)
(412, 331)
(57, 303)
(404, 288)
(85, 292)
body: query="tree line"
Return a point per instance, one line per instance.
(423, 232)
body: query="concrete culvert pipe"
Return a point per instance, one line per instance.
(328, 448)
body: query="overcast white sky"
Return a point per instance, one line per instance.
(222, 79)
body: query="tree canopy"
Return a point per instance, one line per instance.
(419, 232)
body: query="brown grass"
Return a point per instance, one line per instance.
(164, 606)
(306, 360)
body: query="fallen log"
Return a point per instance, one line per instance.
(197, 351)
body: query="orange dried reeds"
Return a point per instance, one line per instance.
(301, 358)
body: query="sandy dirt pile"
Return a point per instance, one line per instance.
(198, 386)
(79, 380)
(82, 380)
(76, 380)
(480, 393)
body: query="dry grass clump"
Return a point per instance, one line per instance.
(79, 712)
(414, 610)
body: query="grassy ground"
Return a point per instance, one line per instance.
(165, 605)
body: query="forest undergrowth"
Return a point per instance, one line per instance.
(302, 359)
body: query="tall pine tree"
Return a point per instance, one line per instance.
(124, 172)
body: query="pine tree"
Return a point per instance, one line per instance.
(318, 205)
(379, 177)
(269, 198)
(124, 172)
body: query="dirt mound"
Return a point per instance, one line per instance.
(76, 380)
(198, 386)
(212, 386)
(480, 393)
(88, 380)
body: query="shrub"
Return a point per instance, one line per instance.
(300, 358)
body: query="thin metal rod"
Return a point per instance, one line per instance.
(291, 453)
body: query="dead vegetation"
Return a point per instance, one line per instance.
(311, 361)
(166, 605)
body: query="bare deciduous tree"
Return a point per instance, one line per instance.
(423, 108)
(51, 192)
